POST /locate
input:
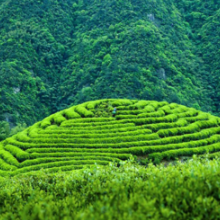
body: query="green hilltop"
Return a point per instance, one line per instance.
(89, 133)
(55, 53)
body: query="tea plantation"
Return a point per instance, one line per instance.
(89, 134)
(186, 191)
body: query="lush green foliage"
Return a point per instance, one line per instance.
(89, 133)
(55, 53)
(6, 131)
(202, 18)
(185, 192)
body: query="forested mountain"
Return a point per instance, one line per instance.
(57, 53)
(204, 20)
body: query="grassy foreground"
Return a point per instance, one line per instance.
(184, 191)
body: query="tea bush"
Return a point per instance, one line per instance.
(89, 133)
(184, 191)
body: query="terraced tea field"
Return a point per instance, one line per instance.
(88, 133)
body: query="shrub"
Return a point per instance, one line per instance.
(120, 117)
(166, 109)
(88, 120)
(44, 160)
(82, 111)
(212, 122)
(46, 122)
(60, 164)
(70, 113)
(149, 108)
(121, 102)
(17, 152)
(159, 113)
(140, 121)
(189, 113)
(141, 104)
(172, 154)
(92, 104)
(8, 158)
(90, 124)
(110, 126)
(129, 112)
(200, 116)
(158, 126)
(67, 134)
(179, 130)
(22, 137)
(6, 167)
(178, 110)
(110, 140)
(59, 118)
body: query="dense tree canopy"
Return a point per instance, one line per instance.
(56, 53)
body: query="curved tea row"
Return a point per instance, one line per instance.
(88, 134)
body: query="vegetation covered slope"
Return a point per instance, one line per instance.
(185, 192)
(55, 53)
(88, 133)
(203, 19)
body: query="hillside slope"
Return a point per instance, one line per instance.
(88, 133)
(55, 53)
(203, 19)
